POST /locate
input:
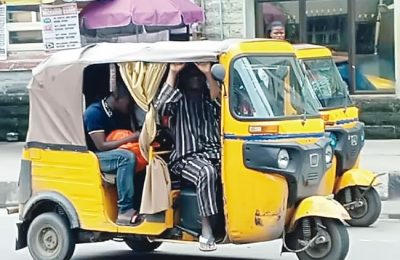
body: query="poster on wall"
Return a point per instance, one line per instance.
(60, 27)
(3, 32)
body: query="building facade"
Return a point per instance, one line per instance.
(362, 32)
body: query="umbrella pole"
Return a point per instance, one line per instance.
(137, 33)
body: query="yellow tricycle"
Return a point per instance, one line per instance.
(353, 186)
(274, 154)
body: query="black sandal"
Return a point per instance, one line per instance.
(135, 220)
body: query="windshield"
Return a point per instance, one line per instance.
(264, 87)
(326, 82)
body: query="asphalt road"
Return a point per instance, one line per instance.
(381, 241)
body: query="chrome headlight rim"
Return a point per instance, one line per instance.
(329, 152)
(283, 159)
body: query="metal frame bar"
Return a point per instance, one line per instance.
(397, 45)
(351, 16)
(303, 20)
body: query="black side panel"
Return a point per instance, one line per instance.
(306, 167)
(349, 145)
(25, 181)
(57, 147)
(189, 210)
(21, 242)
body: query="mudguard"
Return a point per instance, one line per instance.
(356, 177)
(318, 206)
(54, 197)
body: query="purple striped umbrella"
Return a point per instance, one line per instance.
(122, 13)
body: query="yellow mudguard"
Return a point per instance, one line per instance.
(319, 206)
(355, 177)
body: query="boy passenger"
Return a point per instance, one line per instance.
(100, 119)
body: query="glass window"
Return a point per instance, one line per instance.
(22, 17)
(327, 23)
(375, 45)
(266, 87)
(18, 37)
(326, 82)
(286, 12)
(14, 82)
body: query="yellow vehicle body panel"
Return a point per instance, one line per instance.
(309, 51)
(328, 181)
(76, 176)
(318, 206)
(343, 117)
(355, 177)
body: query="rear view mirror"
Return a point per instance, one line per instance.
(218, 72)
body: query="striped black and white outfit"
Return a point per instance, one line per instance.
(195, 126)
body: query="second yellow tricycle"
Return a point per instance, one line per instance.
(354, 187)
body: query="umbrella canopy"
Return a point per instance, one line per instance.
(38, 2)
(120, 13)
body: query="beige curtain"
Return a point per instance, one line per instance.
(157, 187)
(143, 80)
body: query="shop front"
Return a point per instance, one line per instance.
(361, 34)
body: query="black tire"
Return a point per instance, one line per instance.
(142, 246)
(369, 212)
(50, 238)
(339, 246)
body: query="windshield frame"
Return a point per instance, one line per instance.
(350, 102)
(297, 72)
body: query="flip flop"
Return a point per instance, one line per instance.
(206, 245)
(135, 220)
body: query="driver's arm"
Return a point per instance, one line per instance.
(99, 140)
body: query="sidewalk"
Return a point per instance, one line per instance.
(10, 157)
(383, 156)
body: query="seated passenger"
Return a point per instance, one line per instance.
(100, 119)
(194, 121)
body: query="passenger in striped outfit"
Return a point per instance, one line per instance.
(189, 98)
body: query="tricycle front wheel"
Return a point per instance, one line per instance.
(332, 244)
(365, 210)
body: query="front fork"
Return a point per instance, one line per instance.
(321, 235)
(357, 200)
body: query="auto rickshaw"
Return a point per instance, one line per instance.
(354, 187)
(274, 154)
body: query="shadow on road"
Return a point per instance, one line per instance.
(125, 255)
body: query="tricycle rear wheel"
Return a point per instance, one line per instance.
(142, 246)
(49, 237)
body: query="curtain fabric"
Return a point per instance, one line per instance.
(143, 80)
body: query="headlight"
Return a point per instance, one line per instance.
(328, 154)
(283, 159)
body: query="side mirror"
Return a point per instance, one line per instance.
(218, 72)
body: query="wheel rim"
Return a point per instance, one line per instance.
(320, 248)
(360, 211)
(48, 241)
